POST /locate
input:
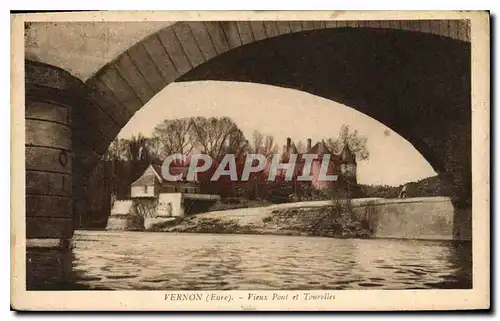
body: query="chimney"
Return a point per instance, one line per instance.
(308, 145)
(288, 143)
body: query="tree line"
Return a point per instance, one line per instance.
(216, 137)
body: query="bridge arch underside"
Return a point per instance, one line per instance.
(418, 85)
(414, 82)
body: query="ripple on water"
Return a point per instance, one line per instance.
(118, 277)
(90, 278)
(369, 284)
(417, 272)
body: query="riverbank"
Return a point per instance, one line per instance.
(303, 218)
(425, 218)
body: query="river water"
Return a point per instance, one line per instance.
(171, 261)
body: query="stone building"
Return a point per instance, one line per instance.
(155, 200)
(343, 165)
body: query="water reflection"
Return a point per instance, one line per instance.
(166, 261)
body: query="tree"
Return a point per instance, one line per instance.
(269, 146)
(263, 145)
(132, 149)
(355, 141)
(216, 136)
(237, 144)
(174, 136)
(257, 142)
(117, 150)
(142, 148)
(136, 147)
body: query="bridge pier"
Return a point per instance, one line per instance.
(51, 95)
(456, 141)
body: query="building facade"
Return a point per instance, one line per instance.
(158, 200)
(342, 164)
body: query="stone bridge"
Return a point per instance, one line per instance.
(413, 76)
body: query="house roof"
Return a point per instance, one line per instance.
(320, 148)
(346, 155)
(174, 170)
(149, 177)
(157, 169)
(153, 174)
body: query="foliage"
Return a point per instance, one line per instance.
(133, 149)
(356, 142)
(427, 187)
(174, 136)
(217, 136)
(262, 144)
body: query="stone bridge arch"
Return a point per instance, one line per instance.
(413, 76)
(124, 85)
(193, 50)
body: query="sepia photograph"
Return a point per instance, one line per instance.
(262, 161)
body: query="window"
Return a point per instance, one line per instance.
(145, 188)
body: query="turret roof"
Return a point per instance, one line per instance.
(347, 156)
(320, 148)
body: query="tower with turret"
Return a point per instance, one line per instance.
(348, 165)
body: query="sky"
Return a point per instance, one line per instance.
(283, 113)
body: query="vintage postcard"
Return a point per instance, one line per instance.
(320, 161)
